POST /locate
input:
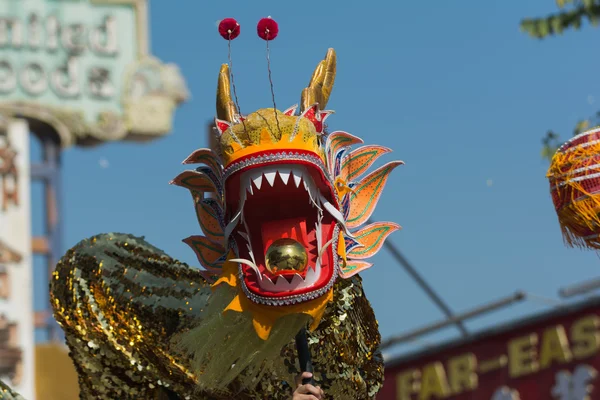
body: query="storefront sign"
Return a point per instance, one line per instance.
(555, 358)
(83, 67)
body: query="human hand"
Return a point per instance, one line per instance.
(308, 391)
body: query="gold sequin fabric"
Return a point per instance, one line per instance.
(6, 393)
(120, 301)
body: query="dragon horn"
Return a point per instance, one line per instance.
(226, 109)
(321, 83)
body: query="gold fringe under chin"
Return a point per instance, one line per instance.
(224, 347)
(584, 212)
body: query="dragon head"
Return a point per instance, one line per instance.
(281, 207)
(287, 204)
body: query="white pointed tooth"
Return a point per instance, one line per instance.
(245, 236)
(270, 176)
(243, 188)
(313, 275)
(307, 188)
(282, 283)
(251, 254)
(299, 170)
(250, 188)
(305, 184)
(307, 179)
(310, 274)
(297, 282)
(312, 191)
(243, 195)
(248, 239)
(315, 197)
(297, 178)
(257, 181)
(268, 284)
(285, 176)
(319, 235)
(231, 225)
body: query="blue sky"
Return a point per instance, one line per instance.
(454, 88)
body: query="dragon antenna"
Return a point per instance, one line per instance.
(229, 29)
(267, 29)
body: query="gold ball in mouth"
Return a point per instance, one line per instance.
(286, 255)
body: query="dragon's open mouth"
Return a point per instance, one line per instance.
(285, 229)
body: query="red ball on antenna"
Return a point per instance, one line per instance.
(267, 29)
(229, 29)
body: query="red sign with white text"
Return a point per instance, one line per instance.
(553, 356)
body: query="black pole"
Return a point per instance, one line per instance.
(304, 355)
(503, 302)
(411, 270)
(579, 289)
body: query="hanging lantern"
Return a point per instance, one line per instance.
(574, 176)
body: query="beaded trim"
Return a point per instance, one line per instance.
(283, 156)
(299, 298)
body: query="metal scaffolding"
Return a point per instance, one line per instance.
(49, 245)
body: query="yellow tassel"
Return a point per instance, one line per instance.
(223, 347)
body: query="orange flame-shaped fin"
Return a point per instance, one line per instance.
(206, 157)
(210, 254)
(208, 212)
(366, 193)
(360, 160)
(371, 237)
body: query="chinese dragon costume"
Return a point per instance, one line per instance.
(283, 206)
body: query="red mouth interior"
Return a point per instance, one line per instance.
(287, 226)
(276, 212)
